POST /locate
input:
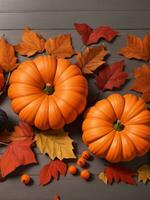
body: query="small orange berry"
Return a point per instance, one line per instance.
(85, 154)
(25, 178)
(81, 162)
(72, 169)
(85, 174)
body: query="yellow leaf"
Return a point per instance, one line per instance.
(31, 43)
(60, 46)
(144, 173)
(103, 177)
(91, 59)
(56, 143)
(7, 56)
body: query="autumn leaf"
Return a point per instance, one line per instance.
(137, 48)
(52, 170)
(56, 197)
(7, 56)
(90, 36)
(103, 177)
(31, 43)
(144, 173)
(56, 143)
(91, 59)
(16, 154)
(1, 79)
(111, 76)
(60, 46)
(142, 81)
(118, 173)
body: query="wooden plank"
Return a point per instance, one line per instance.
(65, 20)
(57, 5)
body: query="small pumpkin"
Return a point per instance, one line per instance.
(3, 120)
(117, 128)
(47, 92)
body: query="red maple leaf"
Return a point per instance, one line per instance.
(119, 173)
(90, 36)
(52, 170)
(111, 76)
(16, 154)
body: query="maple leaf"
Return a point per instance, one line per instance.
(142, 81)
(144, 173)
(56, 143)
(91, 59)
(111, 76)
(103, 177)
(118, 173)
(90, 36)
(31, 43)
(60, 46)
(1, 79)
(7, 56)
(137, 48)
(16, 154)
(52, 170)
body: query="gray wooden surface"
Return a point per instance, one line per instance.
(52, 17)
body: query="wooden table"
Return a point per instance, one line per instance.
(50, 18)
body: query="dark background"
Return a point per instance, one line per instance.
(50, 18)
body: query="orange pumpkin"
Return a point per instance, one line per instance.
(117, 128)
(47, 92)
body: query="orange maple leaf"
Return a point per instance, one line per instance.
(7, 56)
(142, 81)
(137, 48)
(91, 59)
(60, 46)
(31, 43)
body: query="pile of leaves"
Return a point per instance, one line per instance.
(91, 59)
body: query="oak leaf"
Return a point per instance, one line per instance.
(52, 170)
(119, 173)
(7, 56)
(137, 48)
(1, 79)
(91, 59)
(144, 173)
(31, 43)
(142, 81)
(56, 143)
(90, 36)
(111, 76)
(103, 177)
(60, 46)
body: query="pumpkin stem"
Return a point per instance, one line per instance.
(118, 126)
(48, 89)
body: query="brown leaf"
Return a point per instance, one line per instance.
(31, 43)
(142, 81)
(60, 46)
(91, 59)
(144, 173)
(7, 56)
(137, 48)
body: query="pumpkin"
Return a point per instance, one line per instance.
(3, 120)
(117, 128)
(47, 92)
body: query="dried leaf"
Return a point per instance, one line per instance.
(31, 43)
(142, 81)
(144, 173)
(137, 48)
(7, 56)
(103, 177)
(91, 59)
(52, 170)
(118, 173)
(56, 143)
(1, 79)
(111, 76)
(60, 46)
(90, 36)
(16, 154)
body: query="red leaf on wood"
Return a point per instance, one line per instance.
(111, 76)
(52, 170)
(90, 36)
(16, 154)
(120, 174)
